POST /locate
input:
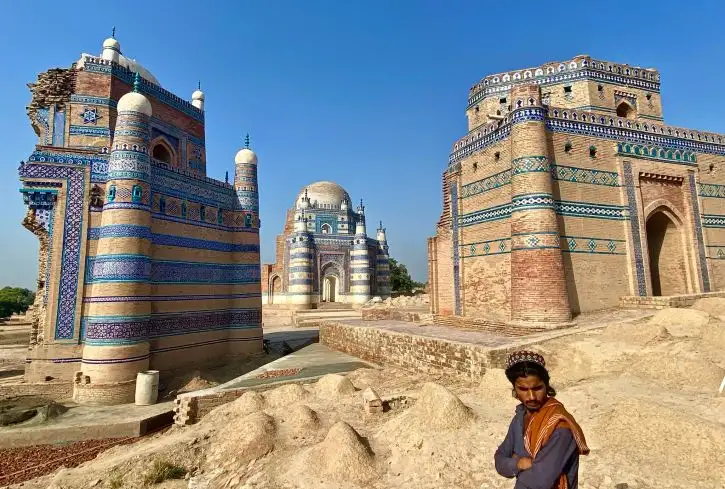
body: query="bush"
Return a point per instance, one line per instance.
(15, 300)
(162, 470)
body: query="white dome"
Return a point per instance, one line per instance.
(111, 43)
(197, 95)
(245, 156)
(326, 194)
(135, 102)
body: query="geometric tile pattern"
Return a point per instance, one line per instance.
(545, 201)
(123, 268)
(585, 175)
(72, 224)
(657, 153)
(453, 186)
(527, 164)
(698, 233)
(712, 190)
(590, 245)
(583, 209)
(532, 201)
(489, 183)
(634, 219)
(485, 248)
(713, 220)
(534, 241)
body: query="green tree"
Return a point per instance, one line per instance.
(15, 300)
(400, 280)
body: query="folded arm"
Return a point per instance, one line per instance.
(504, 458)
(549, 463)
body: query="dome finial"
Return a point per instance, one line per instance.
(136, 82)
(113, 32)
(246, 141)
(198, 85)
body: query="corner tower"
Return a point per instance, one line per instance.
(382, 264)
(245, 183)
(538, 282)
(360, 261)
(117, 326)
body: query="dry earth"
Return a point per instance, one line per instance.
(644, 394)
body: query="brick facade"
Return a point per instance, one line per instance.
(562, 206)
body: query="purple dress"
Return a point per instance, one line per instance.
(559, 455)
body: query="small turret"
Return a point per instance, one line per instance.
(381, 233)
(111, 48)
(344, 205)
(382, 264)
(197, 98)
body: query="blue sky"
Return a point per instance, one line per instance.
(369, 94)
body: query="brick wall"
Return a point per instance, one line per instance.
(57, 391)
(104, 394)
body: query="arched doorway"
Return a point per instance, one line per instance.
(666, 255)
(275, 287)
(330, 288)
(161, 153)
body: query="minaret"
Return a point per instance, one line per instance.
(360, 261)
(197, 98)
(300, 264)
(116, 328)
(245, 183)
(538, 281)
(382, 265)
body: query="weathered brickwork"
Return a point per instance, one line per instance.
(147, 263)
(572, 193)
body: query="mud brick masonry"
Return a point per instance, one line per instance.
(145, 262)
(570, 193)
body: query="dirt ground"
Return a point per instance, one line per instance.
(645, 395)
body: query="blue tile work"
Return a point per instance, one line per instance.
(713, 220)
(169, 298)
(535, 241)
(485, 184)
(568, 244)
(72, 232)
(528, 114)
(90, 115)
(698, 234)
(178, 185)
(657, 153)
(529, 164)
(453, 188)
(712, 190)
(717, 252)
(91, 100)
(634, 220)
(123, 268)
(41, 117)
(584, 175)
(545, 201)
(130, 231)
(129, 329)
(90, 131)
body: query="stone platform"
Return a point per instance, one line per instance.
(662, 302)
(88, 423)
(442, 350)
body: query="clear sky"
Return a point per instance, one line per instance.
(370, 94)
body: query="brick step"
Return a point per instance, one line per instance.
(334, 305)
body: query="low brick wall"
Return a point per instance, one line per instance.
(55, 391)
(396, 314)
(662, 302)
(104, 394)
(411, 352)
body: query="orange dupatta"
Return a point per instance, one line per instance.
(542, 424)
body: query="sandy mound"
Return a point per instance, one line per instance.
(242, 441)
(677, 370)
(286, 395)
(494, 385)
(248, 403)
(713, 337)
(333, 385)
(301, 419)
(436, 408)
(714, 306)
(669, 442)
(681, 322)
(634, 334)
(342, 456)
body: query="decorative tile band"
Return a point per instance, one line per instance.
(531, 201)
(535, 241)
(528, 114)
(568, 244)
(122, 268)
(585, 175)
(563, 208)
(530, 164)
(109, 361)
(167, 298)
(583, 209)
(91, 100)
(494, 213)
(713, 220)
(100, 329)
(712, 190)
(89, 131)
(143, 232)
(634, 220)
(717, 252)
(453, 187)
(589, 245)
(698, 233)
(657, 153)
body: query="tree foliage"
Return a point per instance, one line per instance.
(400, 280)
(15, 300)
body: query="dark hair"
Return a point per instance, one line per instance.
(524, 369)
